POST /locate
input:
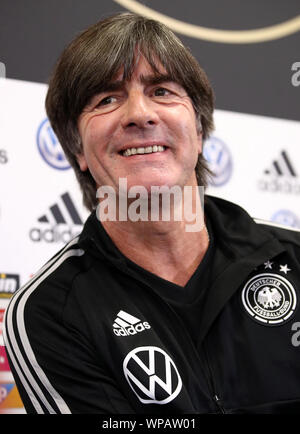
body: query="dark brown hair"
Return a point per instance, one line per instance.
(95, 56)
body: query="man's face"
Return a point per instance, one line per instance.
(143, 129)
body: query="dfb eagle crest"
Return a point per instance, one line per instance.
(269, 297)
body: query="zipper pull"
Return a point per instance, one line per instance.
(219, 404)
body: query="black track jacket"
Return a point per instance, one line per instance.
(88, 334)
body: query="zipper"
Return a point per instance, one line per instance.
(218, 402)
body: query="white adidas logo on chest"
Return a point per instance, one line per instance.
(127, 325)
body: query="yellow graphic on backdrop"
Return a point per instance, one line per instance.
(263, 34)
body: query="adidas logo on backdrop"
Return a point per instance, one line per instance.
(64, 213)
(282, 166)
(281, 176)
(127, 325)
(60, 224)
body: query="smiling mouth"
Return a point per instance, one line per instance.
(143, 150)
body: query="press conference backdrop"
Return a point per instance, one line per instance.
(250, 52)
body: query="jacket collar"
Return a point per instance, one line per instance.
(236, 232)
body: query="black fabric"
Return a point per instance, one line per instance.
(198, 349)
(187, 301)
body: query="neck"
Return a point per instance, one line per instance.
(163, 248)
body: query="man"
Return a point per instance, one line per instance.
(142, 315)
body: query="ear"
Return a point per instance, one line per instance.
(82, 162)
(200, 141)
(199, 134)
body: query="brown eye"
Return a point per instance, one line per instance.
(161, 91)
(107, 100)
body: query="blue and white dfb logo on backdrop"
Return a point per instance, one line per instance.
(50, 148)
(287, 218)
(219, 158)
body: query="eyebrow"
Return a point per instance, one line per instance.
(154, 79)
(150, 79)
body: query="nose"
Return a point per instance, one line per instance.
(139, 111)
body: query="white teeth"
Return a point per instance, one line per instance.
(143, 150)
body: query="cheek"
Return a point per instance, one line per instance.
(187, 135)
(94, 138)
(183, 123)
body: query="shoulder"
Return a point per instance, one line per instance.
(47, 290)
(61, 268)
(283, 233)
(232, 221)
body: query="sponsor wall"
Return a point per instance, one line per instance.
(40, 201)
(256, 161)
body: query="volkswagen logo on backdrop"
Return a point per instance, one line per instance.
(219, 158)
(287, 218)
(50, 148)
